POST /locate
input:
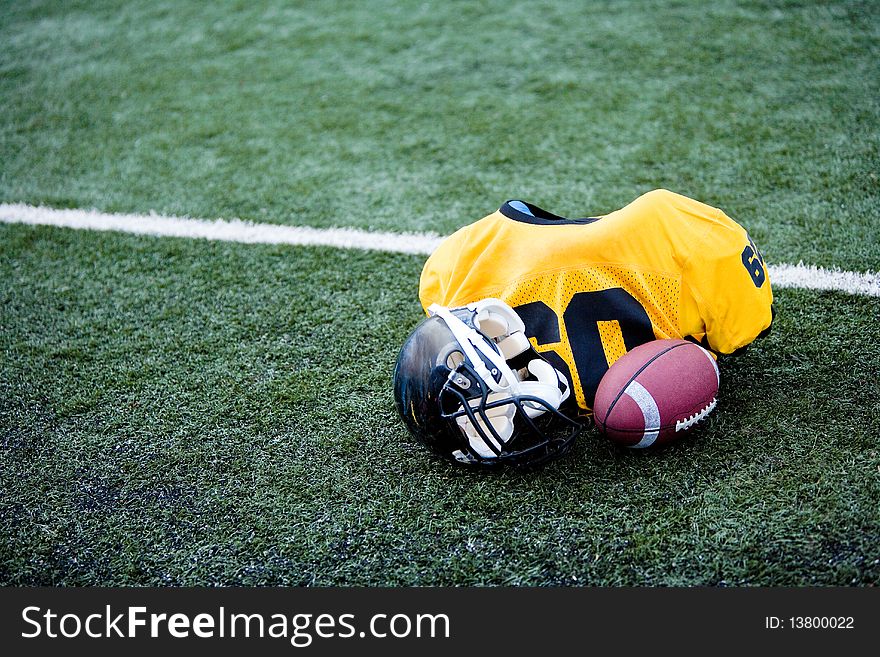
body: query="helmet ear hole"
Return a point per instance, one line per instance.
(454, 359)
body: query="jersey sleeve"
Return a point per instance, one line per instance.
(429, 287)
(730, 285)
(435, 280)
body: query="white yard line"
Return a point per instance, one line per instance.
(222, 230)
(781, 275)
(817, 278)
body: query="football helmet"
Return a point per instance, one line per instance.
(469, 385)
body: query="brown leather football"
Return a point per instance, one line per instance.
(656, 393)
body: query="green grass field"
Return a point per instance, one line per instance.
(186, 412)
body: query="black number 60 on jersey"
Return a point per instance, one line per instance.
(581, 321)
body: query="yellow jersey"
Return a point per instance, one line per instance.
(588, 290)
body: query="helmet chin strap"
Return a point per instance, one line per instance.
(472, 341)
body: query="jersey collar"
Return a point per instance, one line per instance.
(538, 216)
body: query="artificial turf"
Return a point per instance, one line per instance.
(187, 412)
(195, 413)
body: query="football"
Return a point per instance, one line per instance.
(656, 393)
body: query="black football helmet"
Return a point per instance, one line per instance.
(471, 387)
